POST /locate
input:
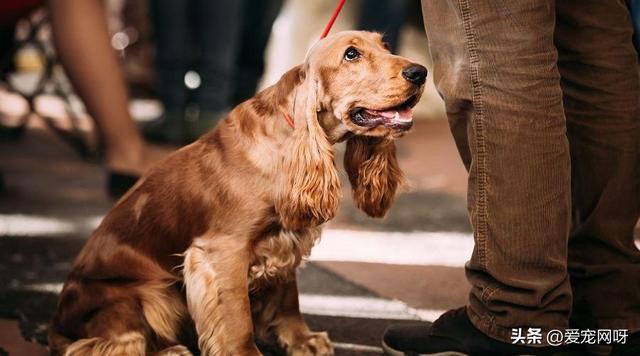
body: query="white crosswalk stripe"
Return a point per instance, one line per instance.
(318, 304)
(451, 249)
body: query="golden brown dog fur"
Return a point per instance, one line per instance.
(202, 251)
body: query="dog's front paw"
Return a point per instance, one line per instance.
(315, 343)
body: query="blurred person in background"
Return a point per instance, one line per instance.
(83, 46)
(10, 13)
(221, 45)
(384, 16)
(543, 100)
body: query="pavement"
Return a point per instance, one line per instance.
(363, 275)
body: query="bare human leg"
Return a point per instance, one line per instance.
(82, 41)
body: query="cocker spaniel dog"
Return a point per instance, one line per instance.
(201, 253)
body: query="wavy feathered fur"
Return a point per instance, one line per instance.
(310, 191)
(201, 254)
(374, 173)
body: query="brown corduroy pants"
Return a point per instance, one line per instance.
(542, 98)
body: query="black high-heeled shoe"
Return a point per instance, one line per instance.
(118, 183)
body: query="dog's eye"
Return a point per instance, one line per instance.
(351, 54)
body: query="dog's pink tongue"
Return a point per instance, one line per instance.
(404, 114)
(389, 114)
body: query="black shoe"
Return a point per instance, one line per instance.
(169, 128)
(119, 183)
(452, 334)
(630, 348)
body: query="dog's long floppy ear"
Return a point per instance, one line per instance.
(373, 172)
(310, 191)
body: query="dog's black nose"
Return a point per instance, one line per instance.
(415, 73)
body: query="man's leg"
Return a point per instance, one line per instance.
(599, 69)
(495, 66)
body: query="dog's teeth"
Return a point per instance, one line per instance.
(397, 117)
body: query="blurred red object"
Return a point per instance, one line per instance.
(12, 10)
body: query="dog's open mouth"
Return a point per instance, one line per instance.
(397, 117)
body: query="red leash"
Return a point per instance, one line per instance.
(327, 28)
(288, 119)
(332, 19)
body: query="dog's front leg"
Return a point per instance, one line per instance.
(279, 312)
(215, 277)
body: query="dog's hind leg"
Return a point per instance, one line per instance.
(141, 323)
(118, 329)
